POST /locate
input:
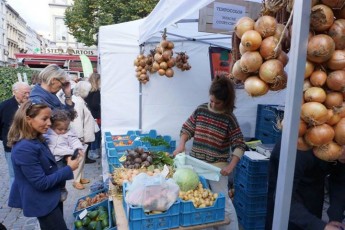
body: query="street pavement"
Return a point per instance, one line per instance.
(13, 218)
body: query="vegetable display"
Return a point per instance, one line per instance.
(95, 219)
(200, 196)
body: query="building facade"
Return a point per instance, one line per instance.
(3, 37)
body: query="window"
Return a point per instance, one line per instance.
(61, 30)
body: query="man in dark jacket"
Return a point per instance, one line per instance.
(308, 191)
(21, 92)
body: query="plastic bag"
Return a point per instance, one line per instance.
(152, 193)
(202, 168)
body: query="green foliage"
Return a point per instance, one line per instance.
(84, 17)
(8, 76)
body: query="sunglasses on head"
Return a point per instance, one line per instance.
(64, 84)
(34, 102)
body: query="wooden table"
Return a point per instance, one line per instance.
(122, 222)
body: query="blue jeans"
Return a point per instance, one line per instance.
(10, 167)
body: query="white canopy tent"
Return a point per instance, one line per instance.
(163, 103)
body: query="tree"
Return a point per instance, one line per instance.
(84, 17)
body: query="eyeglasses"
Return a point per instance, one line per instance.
(63, 84)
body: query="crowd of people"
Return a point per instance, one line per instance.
(41, 132)
(42, 126)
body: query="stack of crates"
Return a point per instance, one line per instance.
(251, 185)
(266, 129)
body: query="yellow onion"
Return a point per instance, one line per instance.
(328, 152)
(321, 18)
(320, 48)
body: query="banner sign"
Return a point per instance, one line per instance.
(226, 15)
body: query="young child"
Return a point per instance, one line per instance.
(62, 141)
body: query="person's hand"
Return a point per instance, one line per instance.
(226, 170)
(73, 163)
(178, 150)
(334, 225)
(66, 88)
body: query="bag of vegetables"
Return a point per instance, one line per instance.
(152, 193)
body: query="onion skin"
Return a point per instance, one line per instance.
(270, 70)
(337, 61)
(334, 117)
(333, 99)
(281, 82)
(315, 94)
(318, 78)
(309, 68)
(340, 132)
(266, 26)
(283, 57)
(320, 48)
(237, 72)
(336, 80)
(328, 152)
(321, 18)
(251, 40)
(337, 33)
(242, 25)
(314, 113)
(267, 48)
(302, 145)
(319, 135)
(335, 4)
(251, 61)
(302, 128)
(255, 87)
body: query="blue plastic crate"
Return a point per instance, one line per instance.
(253, 166)
(267, 137)
(91, 195)
(252, 204)
(250, 221)
(250, 185)
(268, 110)
(112, 218)
(189, 215)
(134, 144)
(241, 175)
(112, 224)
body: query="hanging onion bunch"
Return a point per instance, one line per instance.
(322, 125)
(163, 58)
(141, 69)
(262, 61)
(182, 61)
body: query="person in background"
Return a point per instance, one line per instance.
(35, 79)
(36, 187)
(62, 141)
(53, 79)
(308, 191)
(21, 92)
(84, 126)
(93, 101)
(215, 132)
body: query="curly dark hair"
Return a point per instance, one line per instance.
(223, 89)
(62, 115)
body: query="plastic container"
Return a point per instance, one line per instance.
(112, 224)
(250, 203)
(189, 215)
(91, 195)
(250, 221)
(126, 145)
(253, 166)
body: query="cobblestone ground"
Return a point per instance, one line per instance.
(13, 218)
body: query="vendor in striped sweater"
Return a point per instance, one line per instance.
(216, 134)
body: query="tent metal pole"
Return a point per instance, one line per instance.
(298, 51)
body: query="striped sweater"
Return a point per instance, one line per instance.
(214, 133)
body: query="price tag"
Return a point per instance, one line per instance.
(83, 214)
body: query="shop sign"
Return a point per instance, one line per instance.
(226, 15)
(71, 51)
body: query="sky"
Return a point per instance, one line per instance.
(35, 13)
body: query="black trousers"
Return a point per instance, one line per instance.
(54, 220)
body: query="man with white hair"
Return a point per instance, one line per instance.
(21, 92)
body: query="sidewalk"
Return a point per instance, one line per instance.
(13, 218)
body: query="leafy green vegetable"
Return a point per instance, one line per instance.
(186, 178)
(161, 158)
(155, 141)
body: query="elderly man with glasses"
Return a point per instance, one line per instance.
(21, 92)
